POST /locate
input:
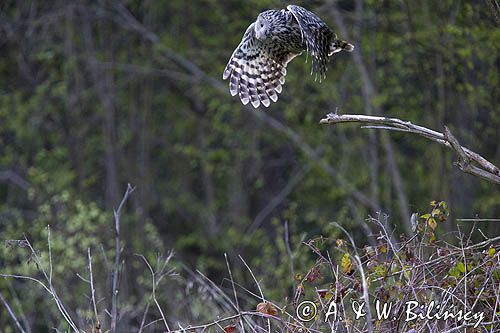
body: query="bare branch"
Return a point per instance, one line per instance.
(153, 292)
(234, 292)
(12, 314)
(290, 252)
(363, 276)
(92, 292)
(49, 287)
(244, 314)
(118, 250)
(485, 169)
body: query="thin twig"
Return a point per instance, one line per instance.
(50, 255)
(234, 291)
(153, 293)
(49, 287)
(290, 252)
(217, 291)
(258, 286)
(92, 292)
(363, 277)
(23, 277)
(161, 272)
(19, 306)
(12, 314)
(241, 315)
(116, 269)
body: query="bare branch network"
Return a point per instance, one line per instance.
(468, 161)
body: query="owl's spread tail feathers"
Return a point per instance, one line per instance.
(340, 45)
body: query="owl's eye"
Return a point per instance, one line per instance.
(262, 25)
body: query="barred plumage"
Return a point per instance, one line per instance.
(257, 68)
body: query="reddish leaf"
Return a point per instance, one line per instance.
(230, 328)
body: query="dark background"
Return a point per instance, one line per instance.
(98, 94)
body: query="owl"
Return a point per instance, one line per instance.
(257, 68)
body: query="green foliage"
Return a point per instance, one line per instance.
(89, 103)
(418, 269)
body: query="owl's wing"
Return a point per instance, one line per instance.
(317, 36)
(256, 73)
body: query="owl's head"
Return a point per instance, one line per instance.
(263, 26)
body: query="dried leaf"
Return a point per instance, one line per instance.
(267, 308)
(432, 223)
(230, 328)
(313, 274)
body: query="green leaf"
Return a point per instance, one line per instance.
(454, 272)
(346, 263)
(432, 223)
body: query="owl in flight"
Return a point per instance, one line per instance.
(257, 68)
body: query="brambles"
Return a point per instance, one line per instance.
(421, 283)
(423, 272)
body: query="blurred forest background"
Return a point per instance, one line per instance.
(98, 94)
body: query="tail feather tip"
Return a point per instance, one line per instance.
(349, 47)
(340, 45)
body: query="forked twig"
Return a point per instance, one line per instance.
(49, 287)
(153, 292)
